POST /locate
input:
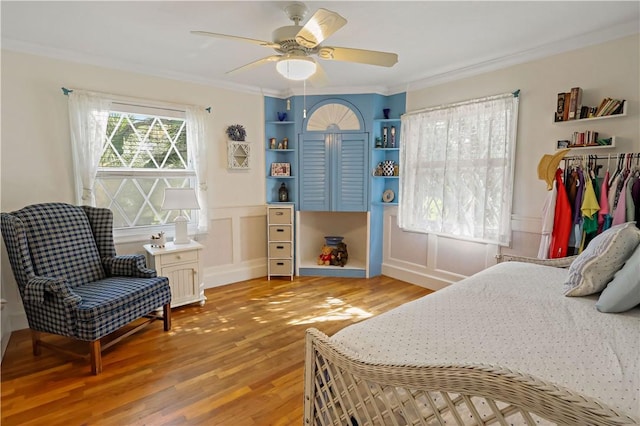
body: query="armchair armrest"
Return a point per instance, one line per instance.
(563, 262)
(129, 265)
(37, 286)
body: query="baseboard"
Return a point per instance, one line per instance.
(222, 275)
(418, 278)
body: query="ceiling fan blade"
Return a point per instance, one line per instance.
(254, 64)
(362, 56)
(319, 78)
(322, 24)
(230, 37)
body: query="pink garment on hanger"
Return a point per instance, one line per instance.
(620, 214)
(604, 200)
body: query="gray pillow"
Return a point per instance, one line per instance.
(623, 293)
(592, 270)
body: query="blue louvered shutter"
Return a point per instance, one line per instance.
(349, 189)
(314, 173)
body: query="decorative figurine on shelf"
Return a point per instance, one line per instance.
(393, 136)
(282, 116)
(325, 256)
(378, 143)
(272, 143)
(285, 143)
(385, 131)
(283, 193)
(386, 112)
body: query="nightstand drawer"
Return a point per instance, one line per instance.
(280, 249)
(280, 267)
(279, 233)
(277, 216)
(184, 256)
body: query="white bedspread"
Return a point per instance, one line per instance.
(513, 315)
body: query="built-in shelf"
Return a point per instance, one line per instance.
(585, 147)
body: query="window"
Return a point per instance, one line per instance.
(126, 154)
(456, 176)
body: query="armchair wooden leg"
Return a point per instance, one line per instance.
(96, 357)
(167, 316)
(35, 342)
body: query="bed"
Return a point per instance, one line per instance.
(504, 346)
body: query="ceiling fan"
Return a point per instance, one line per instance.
(296, 44)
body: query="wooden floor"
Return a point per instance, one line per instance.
(238, 360)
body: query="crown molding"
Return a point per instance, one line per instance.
(584, 40)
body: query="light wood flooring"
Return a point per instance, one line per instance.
(238, 360)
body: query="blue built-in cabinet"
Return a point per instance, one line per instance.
(333, 182)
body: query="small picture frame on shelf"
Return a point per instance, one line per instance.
(563, 144)
(280, 169)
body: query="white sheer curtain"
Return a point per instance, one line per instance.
(456, 169)
(197, 140)
(88, 115)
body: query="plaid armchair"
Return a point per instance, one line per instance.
(71, 281)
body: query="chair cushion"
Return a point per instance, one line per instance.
(61, 242)
(111, 303)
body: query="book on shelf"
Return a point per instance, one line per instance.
(567, 102)
(609, 106)
(576, 103)
(560, 107)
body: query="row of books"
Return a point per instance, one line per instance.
(569, 106)
(586, 138)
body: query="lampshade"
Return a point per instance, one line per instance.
(296, 68)
(180, 199)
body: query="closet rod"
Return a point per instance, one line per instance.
(602, 157)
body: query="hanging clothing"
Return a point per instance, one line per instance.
(590, 208)
(630, 207)
(548, 212)
(620, 214)
(561, 221)
(604, 218)
(635, 193)
(575, 238)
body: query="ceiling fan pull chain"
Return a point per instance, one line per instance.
(304, 98)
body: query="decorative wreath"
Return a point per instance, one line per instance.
(236, 132)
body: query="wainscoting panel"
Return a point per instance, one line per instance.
(434, 261)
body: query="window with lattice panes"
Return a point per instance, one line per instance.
(143, 153)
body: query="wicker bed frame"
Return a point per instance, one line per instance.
(341, 390)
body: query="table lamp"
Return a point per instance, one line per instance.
(180, 199)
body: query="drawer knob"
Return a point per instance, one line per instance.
(178, 257)
(279, 230)
(279, 213)
(280, 263)
(280, 247)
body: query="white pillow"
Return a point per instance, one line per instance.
(592, 270)
(623, 293)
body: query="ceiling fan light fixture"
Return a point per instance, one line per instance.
(296, 68)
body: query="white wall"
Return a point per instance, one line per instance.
(36, 164)
(609, 69)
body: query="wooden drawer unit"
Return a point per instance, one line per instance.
(280, 266)
(280, 250)
(280, 240)
(279, 215)
(280, 233)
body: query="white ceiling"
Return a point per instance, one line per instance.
(435, 41)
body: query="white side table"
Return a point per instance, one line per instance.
(181, 264)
